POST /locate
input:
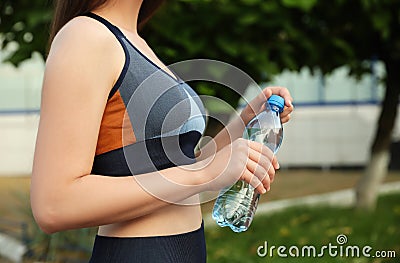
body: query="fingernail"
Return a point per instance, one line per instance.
(263, 191)
(269, 188)
(278, 166)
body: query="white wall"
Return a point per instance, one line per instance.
(17, 142)
(338, 86)
(331, 136)
(328, 135)
(320, 136)
(20, 87)
(20, 90)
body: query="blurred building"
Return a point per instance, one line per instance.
(335, 118)
(20, 90)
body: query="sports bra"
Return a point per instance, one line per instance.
(152, 120)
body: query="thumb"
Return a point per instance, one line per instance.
(265, 94)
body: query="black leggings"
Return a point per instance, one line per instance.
(188, 247)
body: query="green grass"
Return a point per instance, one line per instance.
(299, 227)
(316, 227)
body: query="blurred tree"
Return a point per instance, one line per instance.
(25, 22)
(262, 37)
(257, 36)
(353, 33)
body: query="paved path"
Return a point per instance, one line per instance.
(343, 198)
(11, 248)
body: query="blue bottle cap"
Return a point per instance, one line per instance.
(277, 103)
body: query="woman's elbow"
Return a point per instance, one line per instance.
(45, 218)
(47, 214)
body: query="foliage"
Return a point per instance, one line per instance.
(25, 22)
(256, 36)
(264, 37)
(261, 37)
(316, 226)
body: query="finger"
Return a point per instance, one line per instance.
(253, 180)
(268, 162)
(285, 119)
(286, 111)
(265, 94)
(262, 167)
(258, 170)
(260, 160)
(271, 180)
(284, 93)
(258, 103)
(262, 149)
(275, 163)
(285, 115)
(271, 175)
(288, 101)
(265, 176)
(276, 166)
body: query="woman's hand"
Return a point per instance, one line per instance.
(244, 160)
(256, 105)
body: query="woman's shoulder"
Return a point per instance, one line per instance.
(86, 42)
(84, 46)
(83, 31)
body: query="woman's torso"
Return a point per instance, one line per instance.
(152, 121)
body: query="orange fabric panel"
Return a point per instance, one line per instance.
(115, 129)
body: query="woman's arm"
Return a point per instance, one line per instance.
(80, 71)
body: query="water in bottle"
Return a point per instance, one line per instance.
(236, 205)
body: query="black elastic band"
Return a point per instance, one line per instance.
(115, 30)
(120, 36)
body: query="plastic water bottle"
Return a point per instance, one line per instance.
(236, 205)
